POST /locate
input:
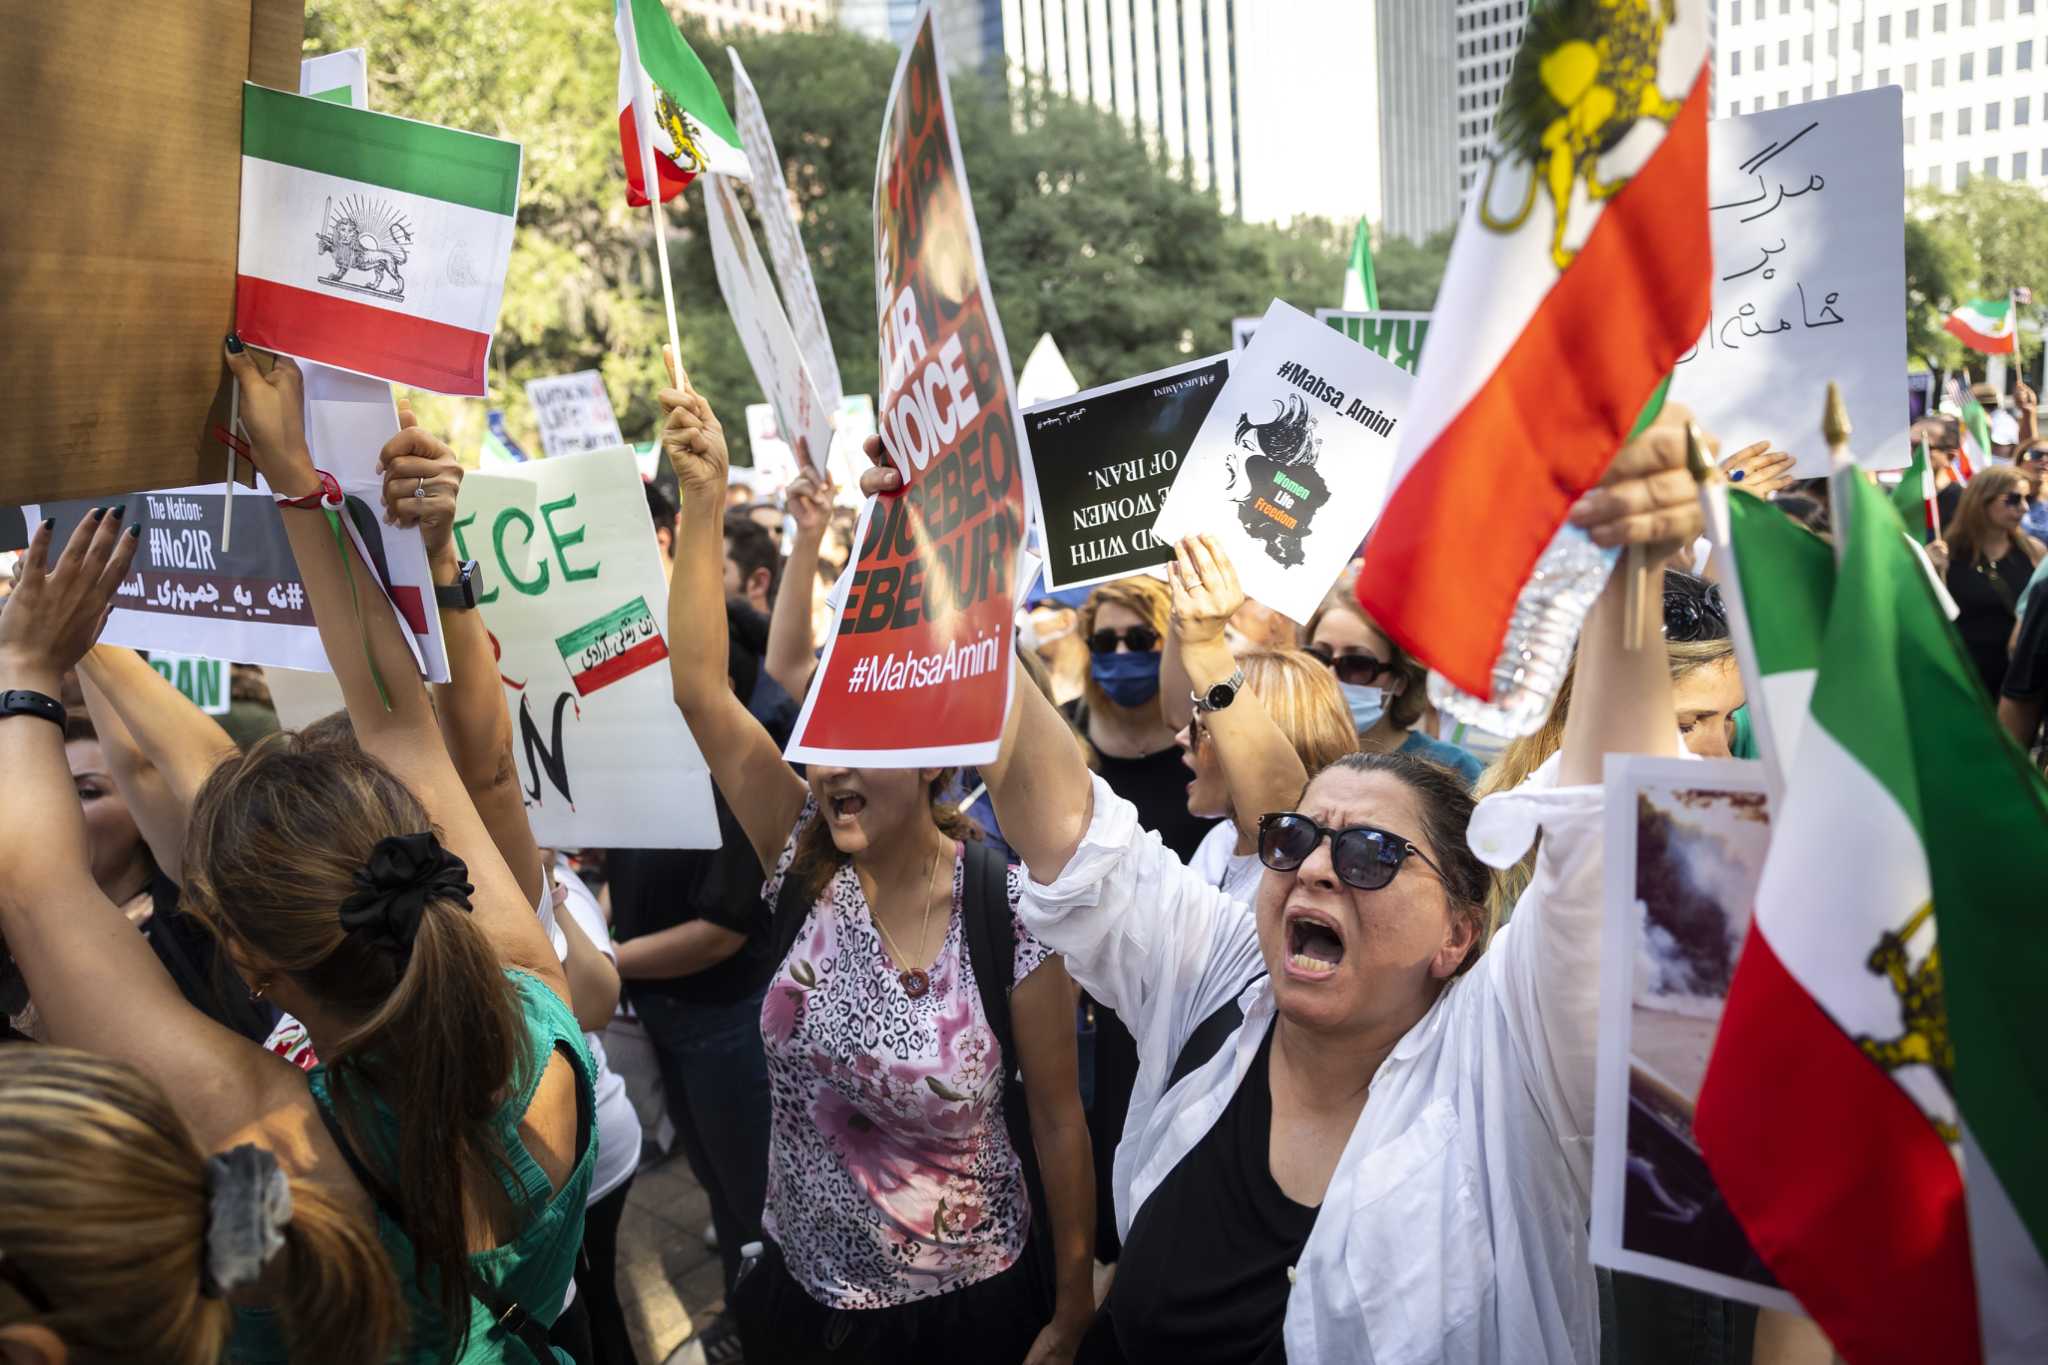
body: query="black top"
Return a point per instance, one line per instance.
(1946, 501)
(1157, 784)
(1203, 1279)
(1985, 593)
(659, 888)
(195, 961)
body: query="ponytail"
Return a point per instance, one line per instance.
(106, 1221)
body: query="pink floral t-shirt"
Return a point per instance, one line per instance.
(891, 1176)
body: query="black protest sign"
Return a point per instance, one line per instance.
(1104, 461)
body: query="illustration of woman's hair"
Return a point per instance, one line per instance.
(1285, 437)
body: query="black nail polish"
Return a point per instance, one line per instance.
(97, 513)
(49, 523)
(234, 344)
(120, 510)
(135, 532)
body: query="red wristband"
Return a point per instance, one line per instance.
(329, 494)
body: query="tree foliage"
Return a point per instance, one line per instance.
(1086, 234)
(1975, 243)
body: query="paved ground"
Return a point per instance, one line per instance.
(669, 1281)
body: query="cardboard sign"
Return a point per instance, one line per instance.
(765, 335)
(1685, 848)
(918, 666)
(205, 682)
(1808, 212)
(1291, 465)
(1105, 459)
(575, 602)
(1393, 336)
(785, 237)
(574, 413)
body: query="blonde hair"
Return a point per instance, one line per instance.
(106, 1217)
(1146, 597)
(1301, 696)
(1971, 525)
(1524, 755)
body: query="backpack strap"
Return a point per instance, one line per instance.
(1207, 1039)
(506, 1314)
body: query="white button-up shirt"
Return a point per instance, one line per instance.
(1454, 1227)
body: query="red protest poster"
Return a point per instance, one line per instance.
(917, 670)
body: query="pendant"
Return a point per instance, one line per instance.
(915, 982)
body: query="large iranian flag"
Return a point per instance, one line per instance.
(1874, 1105)
(663, 87)
(1558, 319)
(370, 242)
(1985, 325)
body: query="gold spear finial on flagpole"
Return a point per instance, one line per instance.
(1697, 462)
(1835, 428)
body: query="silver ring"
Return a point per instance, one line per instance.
(420, 489)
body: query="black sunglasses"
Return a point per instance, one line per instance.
(1141, 639)
(1363, 856)
(1360, 670)
(1694, 616)
(2014, 500)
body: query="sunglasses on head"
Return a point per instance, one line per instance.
(1363, 856)
(1360, 670)
(1141, 639)
(1694, 616)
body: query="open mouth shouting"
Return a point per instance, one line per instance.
(1314, 946)
(842, 808)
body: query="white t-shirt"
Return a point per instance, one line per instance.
(1217, 862)
(618, 1127)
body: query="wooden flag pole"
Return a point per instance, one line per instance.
(650, 182)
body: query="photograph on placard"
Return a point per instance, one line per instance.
(1104, 460)
(1291, 466)
(1685, 847)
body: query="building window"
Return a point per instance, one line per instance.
(1912, 23)
(1938, 74)
(1991, 168)
(1884, 28)
(1969, 12)
(1962, 122)
(1966, 66)
(1991, 117)
(1758, 63)
(1806, 48)
(1912, 75)
(2022, 110)
(1784, 52)
(2019, 165)
(1735, 62)
(1734, 12)
(1884, 75)
(1962, 174)
(1855, 37)
(1994, 62)
(1934, 127)
(1784, 98)
(1834, 41)
(1831, 88)
(1756, 106)
(1910, 138)
(1941, 26)
(2023, 55)
(1806, 95)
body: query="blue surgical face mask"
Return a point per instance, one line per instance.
(1366, 703)
(1129, 679)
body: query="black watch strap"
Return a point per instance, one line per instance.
(32, 704)
(461, 594)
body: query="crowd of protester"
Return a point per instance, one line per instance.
(1243, 1009)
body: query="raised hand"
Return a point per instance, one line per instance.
(692, 438)
(56, 610)
(1648, 497)
(1204, 589)
(809, 501)
(422, 480)
(273, 411)
(883, 478)
(1758, 469)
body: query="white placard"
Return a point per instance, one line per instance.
(1685, 846)
(1045, 375)
(343, 77)
(574, 413)
(1808, 215)
(1291, 465)
(765, 334)
(1241, 330)
(785, 237)
(573, 595)
(774, 458)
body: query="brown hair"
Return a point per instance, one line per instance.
(1143, 595)
(1971, 525)
(1446, 809)
(818, 859)
(1303, 699)
(1404, 710)
(277, 837)
(106, 1217)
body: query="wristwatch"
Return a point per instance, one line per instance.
(32, 704)
(1220, 695)
(461, 594)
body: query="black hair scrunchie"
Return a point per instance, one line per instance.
(404, 872)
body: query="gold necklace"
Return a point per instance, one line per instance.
(915, 980)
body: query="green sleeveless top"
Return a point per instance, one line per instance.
(534, 1268)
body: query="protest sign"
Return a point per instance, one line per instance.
(1685, 847)
(1104, 460)
(574, 599)
(765, 335)
(205, 682)
(1808, 213)
(1045, 375)
(1393, 336)
(1291, 465)
(918, 666)
(774, 458)
(849, 438)
(1241, 330)
(785, 238)
(574, 413)
(337, 77)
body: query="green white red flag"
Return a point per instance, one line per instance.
(1913, 498)
(672, 122)
(1559, 317)
(1873, 1107)
(372, 243)
(1361, 286)
(1985, 325)
(1975, 451)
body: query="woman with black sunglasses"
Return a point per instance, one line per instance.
(1989, 561)
(1384, 686)
(1354, 1138)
